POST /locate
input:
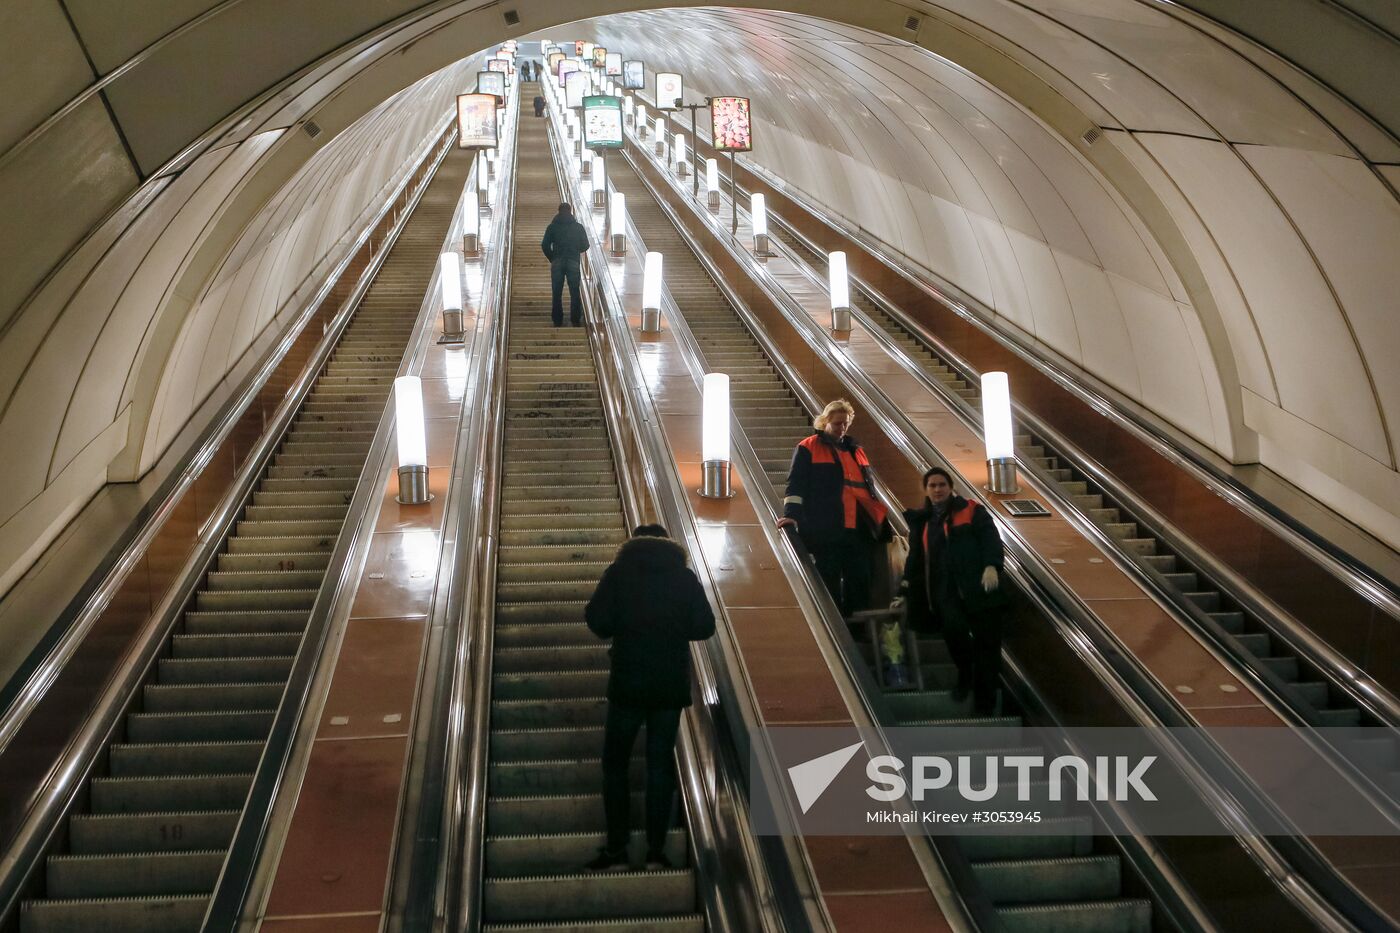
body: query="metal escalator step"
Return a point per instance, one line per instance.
(281, 545)
(601, 553)
(589, 895)
(1256, 643)
(245, 621)
(926, 705)
(283, 529)
(219, 726)
(150, 760)
(554, 590)
(1027, 881)
(184, 792)
(173, 831)
(554, 612)
(604, 518)
(284, 511)
(267, 561)
(212, 600)
(577, 742)
(115, 915)
(210, 698)
(545, 685)
(540, 634)
(225, 670)
(526, 777)
(1102, 916)
(567, 852)
(545, 714)
(547, 658)
(559, 537)
(242, 645)
(132, 875)
(263, 580)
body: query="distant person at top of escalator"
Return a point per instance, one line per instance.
(565, 240)
(952, 585)
(831, 503)
(652, 607)
(539, 106)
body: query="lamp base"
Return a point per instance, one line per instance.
(841, 319)
(660, 147)
(651, 320)
(681, 170)
(452, 331)
(413, 486)
(600, 199)
(619, 243)
(712, 201)
(714, 479)
(760, 244)
(1001, 476)
(585, 167)
(471, 243)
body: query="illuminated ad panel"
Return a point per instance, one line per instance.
(600, 56)
(476, 121)
(567, 67)
(733, 131)
(576, 88)
(492, 82)
(602, 122)
(669, 89)
(554, 59)
(613, 66)
(499, 66)
(634, 76)
(578, 47)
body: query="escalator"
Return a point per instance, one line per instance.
(144, 847)
(1071, 880)
(561, 521)
(1306, 687)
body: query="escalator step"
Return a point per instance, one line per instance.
(1105, 916)
(1028, 881)
(90, 834)
(567, 852)
(133, 875)
(131, 760)
(587, 895)
(185, 792)
(116, 915)
(514, 744)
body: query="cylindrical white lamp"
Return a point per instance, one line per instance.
(491, 161)
(450, 284)
(678, 153)
(758, 217)
(840, 288)
(585, 158)
(413, 441)
(996, 431)
(471, 223)
(660, 135)
(651, 294)
(712, 184)
(617, 221)
(600, 182)
(641, 120)
(483, 190)
(627, 110)
(714, 438)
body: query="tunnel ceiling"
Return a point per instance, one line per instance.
(1223, 256)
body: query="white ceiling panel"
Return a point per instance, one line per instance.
(41, 60)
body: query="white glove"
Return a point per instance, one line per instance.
(897, 604)
(990, 580)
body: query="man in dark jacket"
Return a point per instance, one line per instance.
(831, 503)
(565, 240)
(539, 106)
(952, 583)
(652, 606)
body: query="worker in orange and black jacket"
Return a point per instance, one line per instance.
(952, 584)
(830, 501)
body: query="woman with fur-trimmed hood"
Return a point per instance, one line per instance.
(652, 607)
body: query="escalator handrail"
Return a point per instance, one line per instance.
(79, 759)
(1311, 881)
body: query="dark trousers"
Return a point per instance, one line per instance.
(539, 110)
(974, 641)
(619, 735)
(844, 564)
(559, 270)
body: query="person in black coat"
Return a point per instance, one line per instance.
(652, 607)
(565, 240)
(952, 584)
(539, 106)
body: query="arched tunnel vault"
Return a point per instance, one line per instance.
(1220, 256)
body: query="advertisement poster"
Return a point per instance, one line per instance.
(602, 122)
(494, 83)
(566, 67)
(578, 47)
(499, 66)
(600, 56)
(476, 121)
(613, 66)
(733, 131)
(576, 88)
(669, 89)
(554, 59)
(633, 76)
